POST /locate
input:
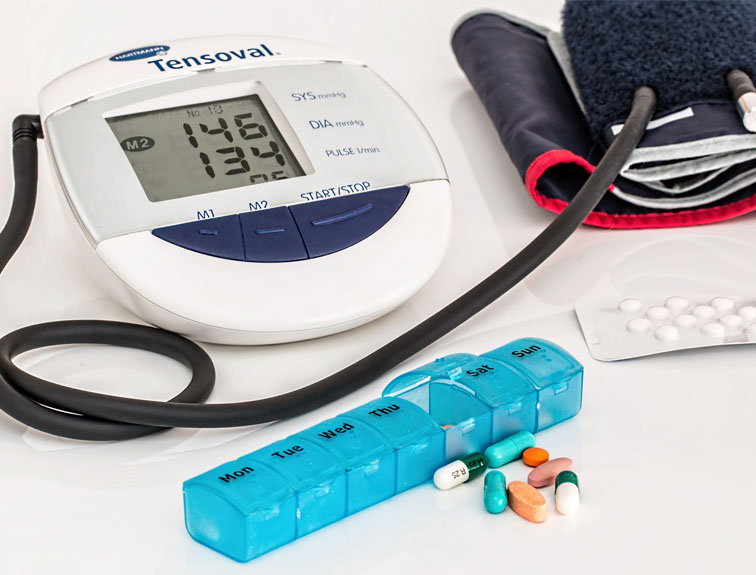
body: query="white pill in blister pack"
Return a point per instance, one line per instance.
(658, 313)
(748, 313)
(722, 304)
(630, 305)
(676, 304)
(704, 312)
(667, 333)
(636, 326)
(713, 329)
(731, 322)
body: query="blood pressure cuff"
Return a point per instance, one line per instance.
(695, 165)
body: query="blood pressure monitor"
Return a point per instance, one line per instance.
(247, 190)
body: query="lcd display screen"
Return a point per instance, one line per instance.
(203, 148)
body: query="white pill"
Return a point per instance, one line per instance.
(714, 329)
(722, 304)
(676, 304)
(638, 325)
(567, 498)
(666, 333)
(731, 322)
(704, 312)
(748, 313)
(685, 321)
(630, 305)
(657, 312)
(451, 475)
(751, 331)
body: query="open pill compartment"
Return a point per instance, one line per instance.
(427, 417)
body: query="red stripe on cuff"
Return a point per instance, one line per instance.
(553, 158)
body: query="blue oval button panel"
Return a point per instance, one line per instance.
(285, 234)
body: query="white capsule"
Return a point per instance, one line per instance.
(722, 304)
(451, 475)
(638, 325)
(704, 312)
(657, 312)
(630, 305)
(676, 304)
(567, 498)
(714, 330)
(685, 321)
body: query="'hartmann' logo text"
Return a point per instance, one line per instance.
(260, 51)
(140, 53)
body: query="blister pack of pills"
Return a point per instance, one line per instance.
(621, 326)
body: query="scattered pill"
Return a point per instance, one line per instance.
(713, 329)
(534, 456)
(722, 304)
(460, 471)
(567, 493)
(704, 312)
(676, 303)
(509, 449)
(495, 492)
(731, 322)
(526, 501)
(630, 305)
(667, 333)
(638, 325)
(545, 474)
(445, 427)
(686, 321)
(657, 313)
(748, 313)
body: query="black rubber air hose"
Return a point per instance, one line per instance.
(81, 414)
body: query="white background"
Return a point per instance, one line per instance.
(663, 445)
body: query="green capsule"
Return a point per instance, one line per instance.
(510, 448)
(495, 492)
(476, 464)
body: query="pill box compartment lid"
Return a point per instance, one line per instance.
(352, 441)
(402, 424)
(504, 385)
(444, 367)
(541, 362)
(302, 463)
(248, 486)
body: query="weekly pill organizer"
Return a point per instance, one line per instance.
(270, 497)
(285, 184)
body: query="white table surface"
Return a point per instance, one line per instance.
(663, 445)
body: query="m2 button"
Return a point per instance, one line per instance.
(220, 237)
(271, 236)
(328, 226)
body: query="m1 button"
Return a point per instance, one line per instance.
(271, 236)
(219, 237)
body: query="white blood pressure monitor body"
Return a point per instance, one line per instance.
(247, 190)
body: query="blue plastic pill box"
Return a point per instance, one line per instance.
(427, 417)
